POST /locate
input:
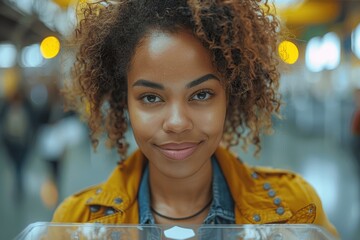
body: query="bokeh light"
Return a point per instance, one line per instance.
(288, 52)
(31, 56)
(283, 4)
(63, 3)
(7, 55)
(323, 53)
(355, 41)
(50, 47)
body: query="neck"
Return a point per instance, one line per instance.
(180, 197)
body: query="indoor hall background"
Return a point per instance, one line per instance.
(314, 138)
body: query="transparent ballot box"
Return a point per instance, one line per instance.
(55, 231)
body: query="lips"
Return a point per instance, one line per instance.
(178, 151)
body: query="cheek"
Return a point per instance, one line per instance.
(211, 121)
(140, 122)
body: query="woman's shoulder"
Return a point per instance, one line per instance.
(270, 195)
(263, 180)
(75, 208)
(293, 185)
(290, 196)
(299, 196)
(117, 193)
(283, 189)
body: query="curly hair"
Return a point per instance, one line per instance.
(241, 36)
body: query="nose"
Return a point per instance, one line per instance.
(177, 119)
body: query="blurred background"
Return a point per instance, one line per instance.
(45, 154)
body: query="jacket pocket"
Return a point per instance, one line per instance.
(304, 215)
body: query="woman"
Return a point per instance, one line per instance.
(190, 76)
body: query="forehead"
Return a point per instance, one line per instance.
(158, 42)
(169, 54)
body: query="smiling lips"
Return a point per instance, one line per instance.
(178, 151)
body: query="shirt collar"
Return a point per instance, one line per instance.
(145, 214)
(221, 209)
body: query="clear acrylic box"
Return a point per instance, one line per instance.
(94, 231)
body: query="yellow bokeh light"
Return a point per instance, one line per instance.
(288, 52)
(63, 3)
(50, 47)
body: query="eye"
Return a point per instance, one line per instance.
(150, 98)
(202, 95)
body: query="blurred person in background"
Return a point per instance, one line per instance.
(17, 126)
(55, 138)
(194, 78)
(57, 133)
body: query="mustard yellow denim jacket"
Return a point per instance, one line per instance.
(261, 195)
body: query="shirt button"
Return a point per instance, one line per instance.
(89, 200)
(118, 200)
(256, 218)
(254, 175)
(271, 193)
(98, 191)
(266, 186)
(277, 201)
(280, 210)
(109, 211)
(94, 208)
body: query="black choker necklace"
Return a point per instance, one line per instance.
(182, 218)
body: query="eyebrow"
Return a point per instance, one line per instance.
(150, 84)
(147, 83)
(201, 80)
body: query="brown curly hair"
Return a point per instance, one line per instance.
(241, 35)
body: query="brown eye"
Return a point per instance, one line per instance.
(202, 96)
(150, 99)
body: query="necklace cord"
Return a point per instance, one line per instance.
(182, 218)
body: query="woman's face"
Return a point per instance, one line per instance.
(176, 103)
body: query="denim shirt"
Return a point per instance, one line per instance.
(221, 209)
